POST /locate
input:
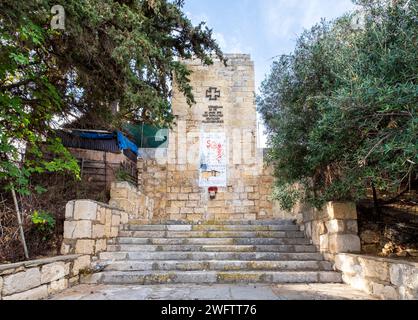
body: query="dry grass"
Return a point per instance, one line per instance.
(61, 189)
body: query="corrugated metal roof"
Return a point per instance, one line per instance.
(73, 141)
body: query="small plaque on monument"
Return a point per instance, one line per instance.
(214, 114)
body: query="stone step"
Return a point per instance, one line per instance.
(197, 256)
(219, 265)
(212, 234)
(211, 241)
(160, 227)
(208, 277)
(211, 248)
(216, 222)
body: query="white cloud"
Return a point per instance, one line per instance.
(228, 44)
(231, 44)
(287, 18)
(196, 19)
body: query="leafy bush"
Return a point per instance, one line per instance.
(44, 222)
(341, 110)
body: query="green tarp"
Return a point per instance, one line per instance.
(148, 137)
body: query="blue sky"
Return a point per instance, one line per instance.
(262, 28)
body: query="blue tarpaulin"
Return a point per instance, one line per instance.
(123, 142)
(94, 135)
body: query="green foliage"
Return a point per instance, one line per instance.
(28, 102)
(123, 175)
(342, 109)
(112, 52)
(44, 223)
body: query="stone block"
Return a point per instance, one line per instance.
(108, 231)
(98, 231)
(384, 292)
(191, 204)
(85, 210)
(250, 216)
(407, 294)
(308, 230)
(249, 189)
(344, 243)
(186, 210)
(253, 196)
(335, 226)
(341, 210)
(183, 196)
(1, 286)
(199, 210)
(186, 190)
(33, 294)
(53, 271)
(114, 232)
(347, 264)
(177, 204)
(84, 247)
(81, 263)
(73, 281)
(108, 219)
(115, 220)
(405, 275)
(378, 269)
(317, 229)
(194, 217)
(194, 196)
(77, 229)
(65, 249)
(124, 218)
(358, 282)
(323, 243)
(69, 210)
(21, 281)
(58, 286)
(172, 196)
(101, 245)
(101, 215)
(172, 210)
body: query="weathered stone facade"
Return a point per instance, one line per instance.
(89, 225)
(38, 279)
(128, 198)
(384, 278)
(225, 103)
(333, 229)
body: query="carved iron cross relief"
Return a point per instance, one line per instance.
(213, 93)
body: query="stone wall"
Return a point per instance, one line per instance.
(88, 226)
(177, 196)
(381, 277)
(129, 199)
(37, 279)
(333, 229)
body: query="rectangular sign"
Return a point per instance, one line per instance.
(213, 159)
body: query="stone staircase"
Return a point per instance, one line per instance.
(213, 252)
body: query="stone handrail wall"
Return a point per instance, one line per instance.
(88, 226)
(333, 229)
(38, 279)
(130, 199)
(381, 277)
